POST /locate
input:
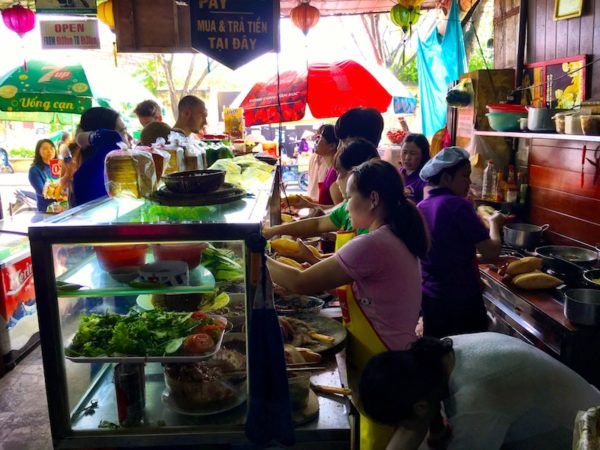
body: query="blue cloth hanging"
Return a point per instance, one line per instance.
(439, 62)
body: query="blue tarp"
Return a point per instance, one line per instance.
(440, 60)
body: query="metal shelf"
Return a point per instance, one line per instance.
(528, 135)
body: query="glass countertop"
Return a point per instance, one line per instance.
(114, 211)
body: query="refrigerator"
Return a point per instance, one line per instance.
(19, 331)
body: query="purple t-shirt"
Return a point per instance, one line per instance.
(324, 195)
(450, 268)
(413, 185)
(387, 284)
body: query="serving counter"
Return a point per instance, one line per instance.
(75, 283)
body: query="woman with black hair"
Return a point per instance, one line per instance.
(39, 172)
(414, 154)
(452, 296)
(381, 308)
(100, 130)
(497, 392)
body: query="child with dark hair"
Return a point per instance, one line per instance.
(452, 297)
(381, 307)
(366, 123)
(414, 154)
(497, 392)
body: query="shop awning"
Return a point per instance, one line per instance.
(326, 7)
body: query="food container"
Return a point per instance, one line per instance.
(506, 108)
(195, 181)
(573, 124)
(125, 274)
(188, 302)
(299, 389)
(298, 304)
(523, 235)
(111, 257)
(505, 121)
(191, 253)
(523, 123)
(168, 273)
(582, 306)
(539, 119)
(196, 386)
(559, 122)
(590, 124)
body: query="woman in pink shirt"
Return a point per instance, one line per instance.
(382, 309)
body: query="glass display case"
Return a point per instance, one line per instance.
(128, 359)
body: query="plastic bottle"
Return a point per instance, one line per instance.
(500, 185)
(523, 186)
(511, 189)
(489, 182)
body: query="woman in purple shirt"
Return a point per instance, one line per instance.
(415, 154)
(452, 298)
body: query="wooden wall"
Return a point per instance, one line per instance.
(557, 195)
(548, 39)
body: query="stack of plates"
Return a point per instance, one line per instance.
(227, 193)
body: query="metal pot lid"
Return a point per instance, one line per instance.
(570, 253)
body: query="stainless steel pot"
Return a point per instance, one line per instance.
(539, 119)
(523, 235)
(575, 255)
(582, 306)
(590, 277)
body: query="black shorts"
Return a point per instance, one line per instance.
(448, 316)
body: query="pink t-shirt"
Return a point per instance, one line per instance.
(387, 284)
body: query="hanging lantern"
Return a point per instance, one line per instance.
(305, 16)
(19, 19)
(106, 14)
(400, 16)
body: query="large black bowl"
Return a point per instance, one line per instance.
(194, 181)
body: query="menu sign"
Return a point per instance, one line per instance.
(234, 32)
(60, 34)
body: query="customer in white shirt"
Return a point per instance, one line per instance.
(497, 392)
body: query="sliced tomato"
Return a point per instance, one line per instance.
(198, 343)
(199, 315)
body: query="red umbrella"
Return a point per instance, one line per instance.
(329, 89)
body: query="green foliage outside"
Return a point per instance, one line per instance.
(409, 72)
(21, 152)
(147, 74)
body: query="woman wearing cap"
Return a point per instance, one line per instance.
(452, 298)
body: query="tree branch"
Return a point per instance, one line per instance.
(188, 77)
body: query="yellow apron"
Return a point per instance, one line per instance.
(363, 343)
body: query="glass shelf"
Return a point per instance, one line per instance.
(98, 283)
(156, 413)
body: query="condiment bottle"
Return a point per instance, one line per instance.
(511, 189)
(489, 181)
(499, 187)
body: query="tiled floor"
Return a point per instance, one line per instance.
(23, 409)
